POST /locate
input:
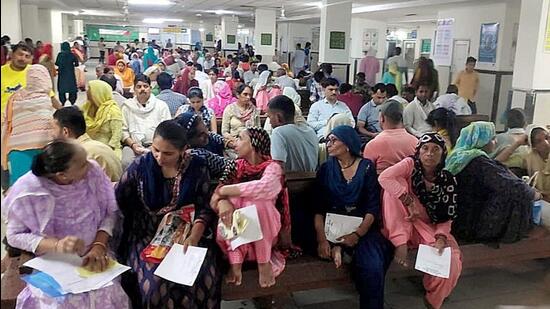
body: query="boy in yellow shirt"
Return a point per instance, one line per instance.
(467, 82)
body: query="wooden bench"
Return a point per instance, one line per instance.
(309, 272)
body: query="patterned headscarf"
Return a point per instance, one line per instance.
(440, 201)
(39, 81)
(468, 146)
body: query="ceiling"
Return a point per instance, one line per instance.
(198, 12)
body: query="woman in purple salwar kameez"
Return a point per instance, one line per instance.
(66, 204)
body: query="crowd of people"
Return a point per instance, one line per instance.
(102, 180)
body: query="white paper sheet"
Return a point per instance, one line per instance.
(182, 268)
(429, 261)
(252, 232)
(63, 268)
(337, 226)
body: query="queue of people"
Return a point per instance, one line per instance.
(405, 169)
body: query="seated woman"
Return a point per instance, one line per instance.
(103, 116)
(126, 74)
(206, 145)
(348, 186)
(494, 205)
(239, 115)
(254, 179)
(185, 81)
(66, 205)
(196, 106)
(419, 204)
(443, 122)
(27, 123)
(223, 97)
(163, 181)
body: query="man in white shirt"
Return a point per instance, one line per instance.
(400, 61)
(208, 62)
(142, 114)
(415, 114)
(298, 59)
(321, 111)
(451, 101)
(251, 74)
(295, 145)
(283, 80)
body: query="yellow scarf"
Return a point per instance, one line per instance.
(394, 70)
(106, 108)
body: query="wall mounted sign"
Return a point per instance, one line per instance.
(370, 39)
(443, 46)
(266, 39)
(337, 40)
(488, 42)
(231, 39)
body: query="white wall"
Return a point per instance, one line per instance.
(45, 22)
(358, 25)
(265, 23)
(290, 33)
(424, 31)
(30, 25)
(335, 16)
(11, 20)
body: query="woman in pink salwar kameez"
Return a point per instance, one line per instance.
(419, 204)
(65, 205)
(255, 179)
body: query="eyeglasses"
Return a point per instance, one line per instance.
(331, 140)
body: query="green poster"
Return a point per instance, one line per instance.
(426, 46)
(111, 33)
(209, 37)
(231, 39)
(337, 40)
(266, 39)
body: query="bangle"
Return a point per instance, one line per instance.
(357, 234)
(99, 243)
(55, 246)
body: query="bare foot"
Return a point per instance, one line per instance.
(337, 256)
(401, 255)
(266, 275)
(235, 274)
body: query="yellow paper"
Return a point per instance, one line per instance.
(85, 273)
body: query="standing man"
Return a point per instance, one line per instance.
(467, 82)
(401, 63)
(370, 66)
(142, 45)
(416, 113)
(299, 59)
(368, 123)
(101, 46)
(307, 51)
(251, 74)
(169, 44)
(321, 111)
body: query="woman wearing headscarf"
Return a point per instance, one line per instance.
(66, 63)
(196, 106)
(27, 125)
(167, 181)
(348, 186)
(494, 205)
(261, 93)
(66, 205)
(46, 59)
(424, 74)
(136, 64)
(126, 74)
(254, 179)
(149, 58)
(185, 81)
(420, 202)
(223, 98)
(239, 115)
(393, 76)
(103, 116)
(298, 118)
(153, 72)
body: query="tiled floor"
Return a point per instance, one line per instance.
(511, 286)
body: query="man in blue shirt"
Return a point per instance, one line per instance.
(321, 111)
(367, 120)
(173, 99)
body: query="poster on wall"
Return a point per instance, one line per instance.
(111, 33)
(337, 40)
(488, 43)
(209, 37)
(370, 39)
(443, 46)
(266, 39)
(231, 39)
